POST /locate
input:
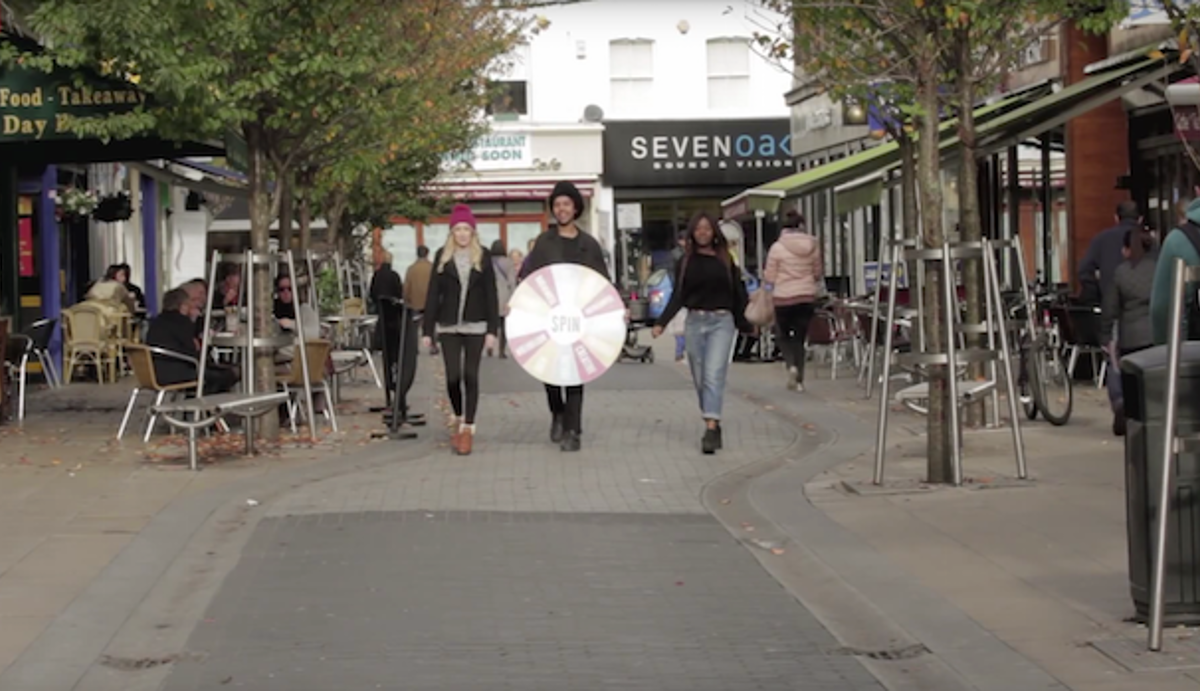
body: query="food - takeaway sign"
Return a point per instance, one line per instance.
(38, 106)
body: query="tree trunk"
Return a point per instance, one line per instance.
(333, 219)
(929, 184)
(908, 186)
(261, 214)
(286, 212)
(305, 211)
(969, 219)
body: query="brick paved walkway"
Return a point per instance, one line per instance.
(72, 499)
(523, 567)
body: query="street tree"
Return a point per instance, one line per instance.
(936, 56)
(889, 55)
(276, 73)
(984, 41)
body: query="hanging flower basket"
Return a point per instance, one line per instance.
(74, 202)
(113, 208)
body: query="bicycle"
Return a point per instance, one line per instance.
(1043, 382)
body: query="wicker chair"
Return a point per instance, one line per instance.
(85, 341)
(317, 352)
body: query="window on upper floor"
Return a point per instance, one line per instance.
(631, 72)
(509, 100)
(728, 73)
(509, 85)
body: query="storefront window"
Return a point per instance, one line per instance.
(515, 208)
(401, 242)
(520, 233)
(435, 236)
(489, 232)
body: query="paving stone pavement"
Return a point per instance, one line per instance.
(522, 567)
(640, 453)
(481, 600)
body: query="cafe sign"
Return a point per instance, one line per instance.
(40, 106)
(496, 151)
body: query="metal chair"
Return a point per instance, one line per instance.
(141, 360)
(33, 343)
(1080, 329)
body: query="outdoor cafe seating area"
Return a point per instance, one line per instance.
(106, 348)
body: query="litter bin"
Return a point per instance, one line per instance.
(1144, 378)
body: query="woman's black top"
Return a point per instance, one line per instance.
(706, 284)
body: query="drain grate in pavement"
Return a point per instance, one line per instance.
(135, 664)
(907, 652)
(1179, 652)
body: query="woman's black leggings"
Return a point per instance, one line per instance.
(462, 353)
(793, 321)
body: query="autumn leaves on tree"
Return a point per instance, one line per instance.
(915, 62)
(348, 106)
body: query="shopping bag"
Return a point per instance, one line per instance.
(760, 311)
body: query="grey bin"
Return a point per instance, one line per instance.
(1144, 380)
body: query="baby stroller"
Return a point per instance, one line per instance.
(644, 310)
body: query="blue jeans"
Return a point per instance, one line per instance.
(680, 343)
(710, 339)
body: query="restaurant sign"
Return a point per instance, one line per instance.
(39, 106)
(496, 151)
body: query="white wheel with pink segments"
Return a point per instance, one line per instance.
(566, 324)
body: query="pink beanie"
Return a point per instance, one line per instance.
(462, 214)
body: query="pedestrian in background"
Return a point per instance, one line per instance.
(416, 285)
(462, 311)
(794, 276)
(517, 257)
(677, 327)
(506, 283)
(709, 284)
(1127, 304)
(1181, 243)
(567, 243)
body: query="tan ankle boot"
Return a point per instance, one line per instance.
(465, 437)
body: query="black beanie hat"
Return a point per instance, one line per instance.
(568, 189)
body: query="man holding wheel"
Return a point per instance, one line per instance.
(565, 244)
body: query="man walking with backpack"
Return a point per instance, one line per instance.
(1181, 243)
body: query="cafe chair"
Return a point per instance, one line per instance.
(141, 361)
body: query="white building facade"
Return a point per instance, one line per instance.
(661, 107)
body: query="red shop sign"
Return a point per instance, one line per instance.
(1187, 122)
(25, 246)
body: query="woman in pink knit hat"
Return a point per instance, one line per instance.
(462, 310)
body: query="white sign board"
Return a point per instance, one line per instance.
(565, 324)
(497, 151)
(629, 216)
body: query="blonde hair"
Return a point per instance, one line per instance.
(474, 248)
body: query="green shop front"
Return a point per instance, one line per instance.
(45, 252)
(852, 202)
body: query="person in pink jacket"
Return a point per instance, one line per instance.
(795, 278)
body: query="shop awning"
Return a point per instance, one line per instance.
(516, 189)
(766, 197)
(202, 182)
(1000, 125)
(1070, 102)
(865, 191)
(39, 111)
